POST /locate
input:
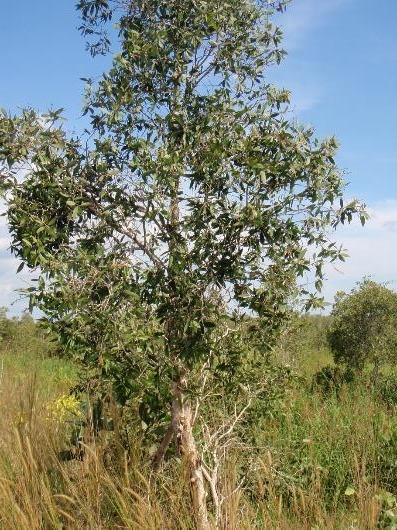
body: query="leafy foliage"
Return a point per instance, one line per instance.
(331, 378)
(364, 325)
(170, 240)
(20, 334)
(387, 388)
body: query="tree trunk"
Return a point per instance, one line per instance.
(186, 445)
(162, 448)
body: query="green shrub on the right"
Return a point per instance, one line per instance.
(364, 327)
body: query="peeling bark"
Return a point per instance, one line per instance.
(183, 433)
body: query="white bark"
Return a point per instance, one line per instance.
(186, 445)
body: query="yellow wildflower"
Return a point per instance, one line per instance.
(64, 407)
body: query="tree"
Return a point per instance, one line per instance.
(185, 216)
(364, 325)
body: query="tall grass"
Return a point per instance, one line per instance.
(318, 466)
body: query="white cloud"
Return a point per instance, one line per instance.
(4, 243)
(372, 250)
(10, 282)
(391, 225)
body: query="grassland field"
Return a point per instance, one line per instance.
(329, 461)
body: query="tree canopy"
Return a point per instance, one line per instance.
(364, 325)
(188, 212)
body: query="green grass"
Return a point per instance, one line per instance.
(323, 461)
(53, 375)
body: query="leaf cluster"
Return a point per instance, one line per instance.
(364, 325)
(192, 199)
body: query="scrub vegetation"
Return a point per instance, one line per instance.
(174, 246)
(325, 456)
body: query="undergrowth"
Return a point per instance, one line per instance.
(327, 460)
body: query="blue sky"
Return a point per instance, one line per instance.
(342, 71)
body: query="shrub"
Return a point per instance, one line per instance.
(331, 378)
(387, 389)
(364, 326)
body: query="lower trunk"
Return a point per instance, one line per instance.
(186, 445)
(162, 448)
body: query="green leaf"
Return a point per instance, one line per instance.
(349, 491)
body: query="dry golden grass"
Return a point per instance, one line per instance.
(309, 455)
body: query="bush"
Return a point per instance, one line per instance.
(386, 389)
(364, 326)
(23, 334)
(331, 378)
